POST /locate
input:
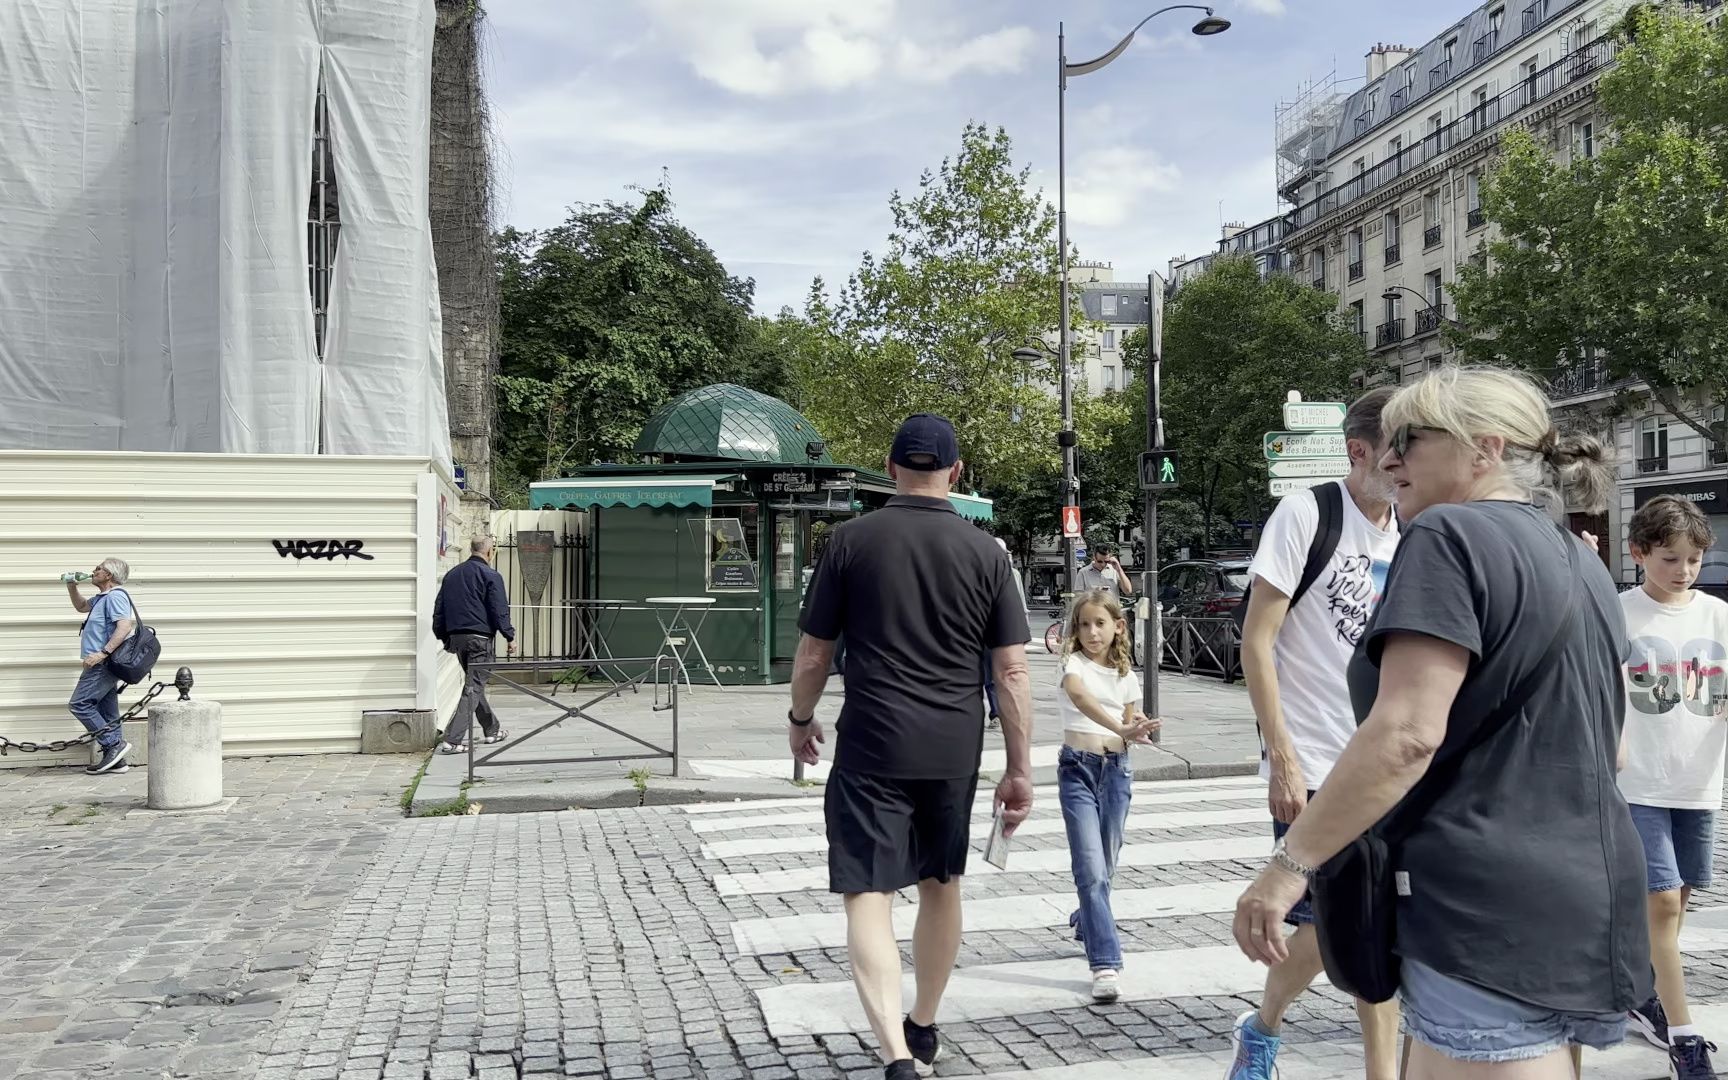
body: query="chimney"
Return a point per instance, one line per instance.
(1383, 58)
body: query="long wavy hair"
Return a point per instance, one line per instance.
(1117, 655)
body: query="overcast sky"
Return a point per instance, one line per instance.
(783, 125)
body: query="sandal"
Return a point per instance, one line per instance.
(496, 737)
(453, 748)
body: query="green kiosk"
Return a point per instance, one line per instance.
(735, 507)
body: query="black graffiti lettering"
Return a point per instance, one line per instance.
(327, 550)
(1349, 592)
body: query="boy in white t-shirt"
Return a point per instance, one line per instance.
(1295, 649)
(1673, 748)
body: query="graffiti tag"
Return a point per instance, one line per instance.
(321, 549)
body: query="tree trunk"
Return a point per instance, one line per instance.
(460, 210)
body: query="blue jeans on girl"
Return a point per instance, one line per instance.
(1095, 790)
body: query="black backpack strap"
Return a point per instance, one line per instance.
(1330, 499)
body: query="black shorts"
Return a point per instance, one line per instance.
(886, 834)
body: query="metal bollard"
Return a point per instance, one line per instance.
(185, 770)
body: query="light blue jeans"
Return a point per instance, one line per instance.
(96, 704)
(1095, 790)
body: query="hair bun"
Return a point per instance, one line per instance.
(1586, 471)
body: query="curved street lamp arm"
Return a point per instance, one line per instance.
(1426, 303)
(1070, 70)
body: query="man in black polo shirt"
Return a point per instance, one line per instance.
(919, 594)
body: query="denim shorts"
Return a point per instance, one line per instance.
(1303, 913)
(1678, 845)
(1467, 1023)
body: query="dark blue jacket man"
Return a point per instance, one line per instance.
(472, 609)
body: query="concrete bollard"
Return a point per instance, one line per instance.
(185, 770)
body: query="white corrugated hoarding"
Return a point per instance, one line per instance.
(154, 192)
(232, 562)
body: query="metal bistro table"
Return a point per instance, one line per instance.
(677, 630)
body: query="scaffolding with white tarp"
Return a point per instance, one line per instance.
(1302, 132)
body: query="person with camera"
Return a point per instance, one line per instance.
(110, 619)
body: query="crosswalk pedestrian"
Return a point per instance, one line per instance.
(1190, 846)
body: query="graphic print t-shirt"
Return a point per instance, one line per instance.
(1676, 701)
(1319, 635)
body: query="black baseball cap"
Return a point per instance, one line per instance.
(925, 435)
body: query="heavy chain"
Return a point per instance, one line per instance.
(62, 745)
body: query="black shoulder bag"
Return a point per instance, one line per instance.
(1355, 892)
(132, 661)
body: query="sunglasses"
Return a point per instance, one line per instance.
(1399, 443)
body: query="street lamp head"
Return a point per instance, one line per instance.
(1028, 355)
(1211, 25)
(1389, 294)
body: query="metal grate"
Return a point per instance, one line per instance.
(323, 219)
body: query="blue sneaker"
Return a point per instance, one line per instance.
(1256, 1053)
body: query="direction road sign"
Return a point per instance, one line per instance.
(1313, 415)
(1322, 468)
(1280, 486)
(1304, 444)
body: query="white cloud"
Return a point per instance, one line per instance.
(769, 48)
(1264, 7)
(1113, 186)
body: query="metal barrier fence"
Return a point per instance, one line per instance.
(1202, 646)
(512, 673)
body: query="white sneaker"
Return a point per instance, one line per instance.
(1105, 986)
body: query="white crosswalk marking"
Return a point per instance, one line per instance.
(1171, 819)
(1169, 853)
(1200, 858)
(981, 805)
(1148, 786)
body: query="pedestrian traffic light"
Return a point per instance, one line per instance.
(1158, 471)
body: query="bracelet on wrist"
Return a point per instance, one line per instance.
(1282, 859)
(795, 722)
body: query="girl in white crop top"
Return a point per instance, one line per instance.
(1101, 718)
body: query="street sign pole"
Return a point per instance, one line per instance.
(1152, 629)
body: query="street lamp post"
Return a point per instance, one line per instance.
(1151, 645)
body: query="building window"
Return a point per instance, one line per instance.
(1317, 267)
(1393, 303)
(1652, 445)
(1110, 341)
(1480, 106)
(1496, 19)
(1359, 166)
(1109, 376)
(1109, 302)
(1434, 363)
(1584, 139)
(1473, 200)
(1395, 147)
(1355, 254)
(1391, 238)
(1718, 453)
(1358, 317)
(1433, 287)
(1528, 78)
(1451, 50)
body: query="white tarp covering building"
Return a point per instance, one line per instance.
(213, 228)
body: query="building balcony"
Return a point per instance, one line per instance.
(1356, 271)
(1648, 465)
(1431, 237)
(1320, 282)
(1392, 255)
(1583, 379)
(1477, 218)
(1485, 46)
(1429, 319)
(1389, 333)
(1438, 74)
(1718, 455)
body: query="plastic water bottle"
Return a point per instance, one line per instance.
(71, 576)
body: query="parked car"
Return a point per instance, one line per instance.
(1203, 588)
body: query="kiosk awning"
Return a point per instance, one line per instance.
(688, 490)
(971, 506)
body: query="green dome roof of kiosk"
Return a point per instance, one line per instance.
(725, 422)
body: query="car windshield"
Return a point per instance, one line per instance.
(1236, 577)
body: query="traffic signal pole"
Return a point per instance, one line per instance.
(1152, 636)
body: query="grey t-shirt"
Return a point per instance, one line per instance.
(1526, 876)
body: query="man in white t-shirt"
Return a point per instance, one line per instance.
(1304, 619)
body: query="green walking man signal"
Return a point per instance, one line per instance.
(1158, 470)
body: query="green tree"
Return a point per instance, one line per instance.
(1619, 258)
(1234, 345)
(968, 275)
(604, 318)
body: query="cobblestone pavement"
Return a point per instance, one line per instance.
(648, 943)
(135, 946)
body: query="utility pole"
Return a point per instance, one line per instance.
(1152, 637)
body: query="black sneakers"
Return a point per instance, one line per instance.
(925, 1045)
(1689, 1059)
(901, 1070)
(1649, 1021)
(113, 760)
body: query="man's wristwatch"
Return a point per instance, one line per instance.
(1281, 859)
(797, 722)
